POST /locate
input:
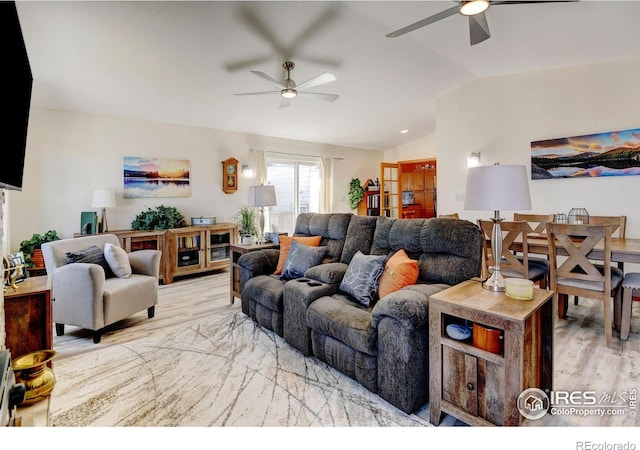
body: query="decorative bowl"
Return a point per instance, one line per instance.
(458, 332)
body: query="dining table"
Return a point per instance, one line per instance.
(626, 250)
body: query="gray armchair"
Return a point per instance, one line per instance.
(86, 297)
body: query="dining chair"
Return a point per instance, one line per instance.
(620, 222)
(449, 216)
(513, 266)
(575, 274)
(630, 286)
(536, 223)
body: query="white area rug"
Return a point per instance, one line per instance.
(225, 372)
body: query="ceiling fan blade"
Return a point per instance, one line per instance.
(498, 3)
(478, 28)
(424, 22)
(285, 102)
(271, 80)
(245, 64)
(320, 96)
(258, 26)
(323, 78)
(313, 28)
(259, 93)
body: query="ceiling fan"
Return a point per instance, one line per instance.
(289, 90)
(475, 11)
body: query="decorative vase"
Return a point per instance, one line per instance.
(37, 258)
(578, 216)
(31, 370)
(247, 240)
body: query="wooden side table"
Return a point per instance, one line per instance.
(237, 250)
(477, 386)
(28, 316)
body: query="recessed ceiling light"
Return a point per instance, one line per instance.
(404, 131)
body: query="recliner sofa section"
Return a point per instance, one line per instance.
(384, 346)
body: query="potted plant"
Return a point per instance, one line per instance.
(32, 248)
(245, 217)
(159, 218)
(356, 192)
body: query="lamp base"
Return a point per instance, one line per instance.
(495, 282)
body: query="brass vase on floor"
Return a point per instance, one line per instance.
(32, 370)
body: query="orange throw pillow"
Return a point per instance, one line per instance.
(400, 271)
(285, 244)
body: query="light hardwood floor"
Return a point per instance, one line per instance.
(582, 362)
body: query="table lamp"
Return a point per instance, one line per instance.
(259, 197)
(103, 199)
(495, 188)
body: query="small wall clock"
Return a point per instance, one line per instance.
(230, 175)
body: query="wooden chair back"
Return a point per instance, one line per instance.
(573, 273)
(619, 221)
(536, 223)
(511, 231)
(449, 216)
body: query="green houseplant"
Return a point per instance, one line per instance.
(32, 247)
(159, 218)
(245, 217)
(356, 192)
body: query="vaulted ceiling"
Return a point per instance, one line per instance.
(181, 62)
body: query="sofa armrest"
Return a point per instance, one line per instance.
(145, 262)
(260, 262)
(77, 290)
(402, 322)
(331, 273)
(409, 305)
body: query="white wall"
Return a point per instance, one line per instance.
(71, 154)
(421, 148)
(501, 116)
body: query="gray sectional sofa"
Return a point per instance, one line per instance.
(384, 346)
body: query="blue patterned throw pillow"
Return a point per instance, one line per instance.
(362, 277)
(301, 258)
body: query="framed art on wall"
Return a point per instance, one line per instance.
(155, 177)
(613, 153)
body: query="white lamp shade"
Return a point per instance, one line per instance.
(103, 199)
(495, 188)
(262, 196)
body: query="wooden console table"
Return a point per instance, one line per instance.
(475, 385)
(28, 316)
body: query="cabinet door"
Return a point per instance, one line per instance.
(188, 248)
(473, 384)
(460, 380)
(218, 247)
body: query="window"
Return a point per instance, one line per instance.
(297, 185)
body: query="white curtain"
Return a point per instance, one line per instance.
(326, 183)
(259, 164)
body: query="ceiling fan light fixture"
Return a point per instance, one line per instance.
(289, 93)
(473, 7)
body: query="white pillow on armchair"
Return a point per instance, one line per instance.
(118, 260)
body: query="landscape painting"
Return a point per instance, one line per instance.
(153, 177)
(594, 155)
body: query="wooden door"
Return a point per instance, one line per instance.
(419, 176)
(390, 190)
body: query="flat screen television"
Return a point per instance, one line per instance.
(15, 91)
(407, 198)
